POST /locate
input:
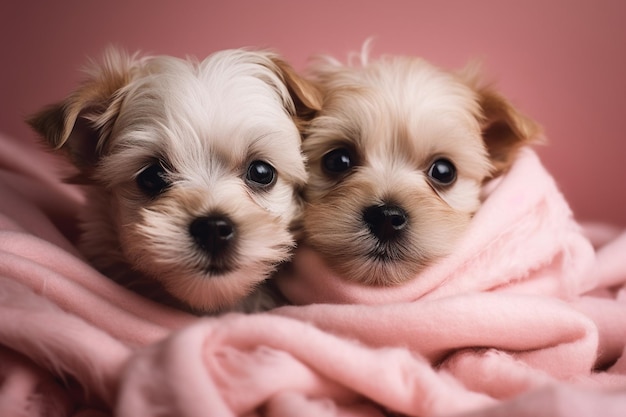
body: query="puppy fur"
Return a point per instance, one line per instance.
(397, 157)
(192, 171)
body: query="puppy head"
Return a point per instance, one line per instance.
(397, 157)
(194, 167)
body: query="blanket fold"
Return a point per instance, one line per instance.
(526, 318)
(436, 328)
(264, 356)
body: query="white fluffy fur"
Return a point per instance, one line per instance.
(206, 121)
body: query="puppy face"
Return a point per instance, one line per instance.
(193, 168)
(397, 157)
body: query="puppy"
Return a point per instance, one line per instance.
(397, 157)
(192, 171)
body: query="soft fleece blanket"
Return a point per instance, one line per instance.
(526, 318)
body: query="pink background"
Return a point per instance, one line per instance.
(562, 62)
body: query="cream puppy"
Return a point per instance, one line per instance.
(192, 171)
(397, 157)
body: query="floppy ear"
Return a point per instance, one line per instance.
(504, 129)
(80, 124)
(307, 98)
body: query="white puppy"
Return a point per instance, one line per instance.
(192, 171)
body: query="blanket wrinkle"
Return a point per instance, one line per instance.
(608, 271)
(288, 404)
(230, 369)
(390, 377)
(526, 318)
(558, 400)
(21, 215)
(33, 180)
(609, 317)
(72, 297)
(50, 262)
(564, 346)
(482, 370)
(19, 320)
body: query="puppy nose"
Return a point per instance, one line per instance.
(212, 233)
(385, 221)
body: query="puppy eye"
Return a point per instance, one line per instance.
(442, 171)
(260, 174)
(337, 161)
(153, 179)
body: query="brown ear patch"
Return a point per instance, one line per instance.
(49, 123)
(80, 124)
(505, 130)
(307, 98)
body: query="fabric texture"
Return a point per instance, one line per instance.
(526, 318)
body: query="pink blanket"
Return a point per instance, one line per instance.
(527, 318)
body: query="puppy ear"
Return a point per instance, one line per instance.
(80, 124)
(307, 98)
(504, 129)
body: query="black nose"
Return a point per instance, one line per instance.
(385, 221)
(212, 233)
